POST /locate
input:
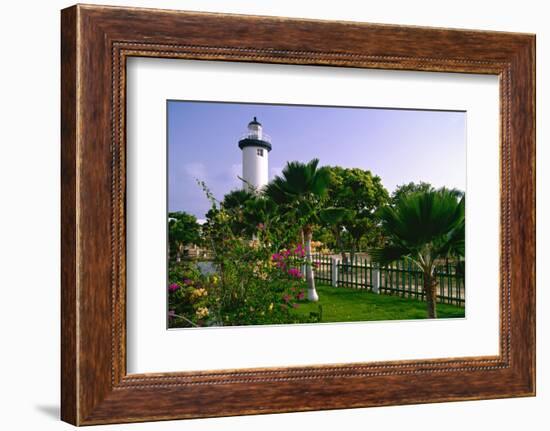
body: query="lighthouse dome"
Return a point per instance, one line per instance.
(254, 122)
(255, 137)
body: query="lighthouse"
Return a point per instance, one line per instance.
(255, 146)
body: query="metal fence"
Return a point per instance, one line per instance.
(400, 278)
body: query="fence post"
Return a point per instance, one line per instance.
(376, 279)
(334, 272)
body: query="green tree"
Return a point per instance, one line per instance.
(251, 215)
(236, 199)
(423, 227)
(300, 191)
(183, 229)
(334, 219)
(406, 189)
(235, 203)
(360, 193)
(261, 216)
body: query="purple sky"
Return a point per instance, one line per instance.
(398, 145)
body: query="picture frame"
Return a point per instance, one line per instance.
(96, 42)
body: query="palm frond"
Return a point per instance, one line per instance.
(419, 218)
(386, 255)
(298, 180)
(424, 226)
(276, 190)
(454, 243)
(320, 182)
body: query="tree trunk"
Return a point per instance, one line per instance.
(340, 244)
(310, 279)
(352, 252)
(344, 259)
(430, 288)
(179, 251)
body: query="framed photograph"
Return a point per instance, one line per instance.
(265, 215)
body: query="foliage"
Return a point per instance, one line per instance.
(188, 300)
(248, 291)
(253, 284)
(423, 227)
(183, 229)
(299, 192)
(261, 243)
(409, 188)
(354, 195)
(249, 213)
(299, 182)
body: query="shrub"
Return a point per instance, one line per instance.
(254, 284)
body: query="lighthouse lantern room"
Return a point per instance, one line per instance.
(255, 146)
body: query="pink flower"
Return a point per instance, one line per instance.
(299, 251)
(294, 272)
(300, 295)
(187, 282)
(173, 287)
(286, 297)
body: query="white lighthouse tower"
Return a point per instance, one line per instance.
(255, 145)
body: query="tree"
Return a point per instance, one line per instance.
(252, 215)
(423, 227)
(235, 203)
(261, 217)
(360, 193)
(334, 218)
(300, 191)
(358, 226)
(183, 229)
(236, 199)
(406, 189)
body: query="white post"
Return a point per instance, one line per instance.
(335, 263)
(376, 279)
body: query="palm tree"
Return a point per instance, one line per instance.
(300, 190)
(260, 214)
(236, 199)
(423, 227)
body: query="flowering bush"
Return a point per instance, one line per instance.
(188, 302)
(253, 284)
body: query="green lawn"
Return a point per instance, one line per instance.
(343, 304)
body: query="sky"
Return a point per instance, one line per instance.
(398, 145)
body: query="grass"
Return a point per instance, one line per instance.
(343, 304)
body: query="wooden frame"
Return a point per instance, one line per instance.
(96, 41)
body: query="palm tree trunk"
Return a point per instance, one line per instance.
(310, 279)
(430, 288)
